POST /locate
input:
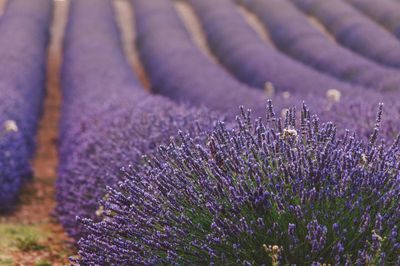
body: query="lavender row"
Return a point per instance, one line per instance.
(354, 30)
(113, 131)
(292, 33)
(160, 214)
(260, 194)
(23, 41)
(244, 53)
(385, 12)
(108, 120)
(179, 70)
(240, 49)
(83, 95)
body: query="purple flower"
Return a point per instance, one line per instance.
(200, 199)
(292, 233)
(316, 236)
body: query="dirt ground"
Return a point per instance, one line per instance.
(2, 3)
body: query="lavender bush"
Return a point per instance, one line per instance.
(293, 33)
(23, 41)
(259, 194)
(354, 30)
(108, 120)
(386, 13)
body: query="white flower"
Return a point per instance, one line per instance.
(273, 252)
(10, 126)
(289, 132)
(286, 95)
(284, 112)
(333, 95)
(100, 211)
(269, 88)
(364, 158)
(378, 237)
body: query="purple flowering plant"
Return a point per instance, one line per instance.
(24, 34)
(269, 192)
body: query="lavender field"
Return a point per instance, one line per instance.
(200, 132)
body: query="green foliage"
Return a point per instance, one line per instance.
(22, 237)
(28, 243)
(6, 261)
(43, 263)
